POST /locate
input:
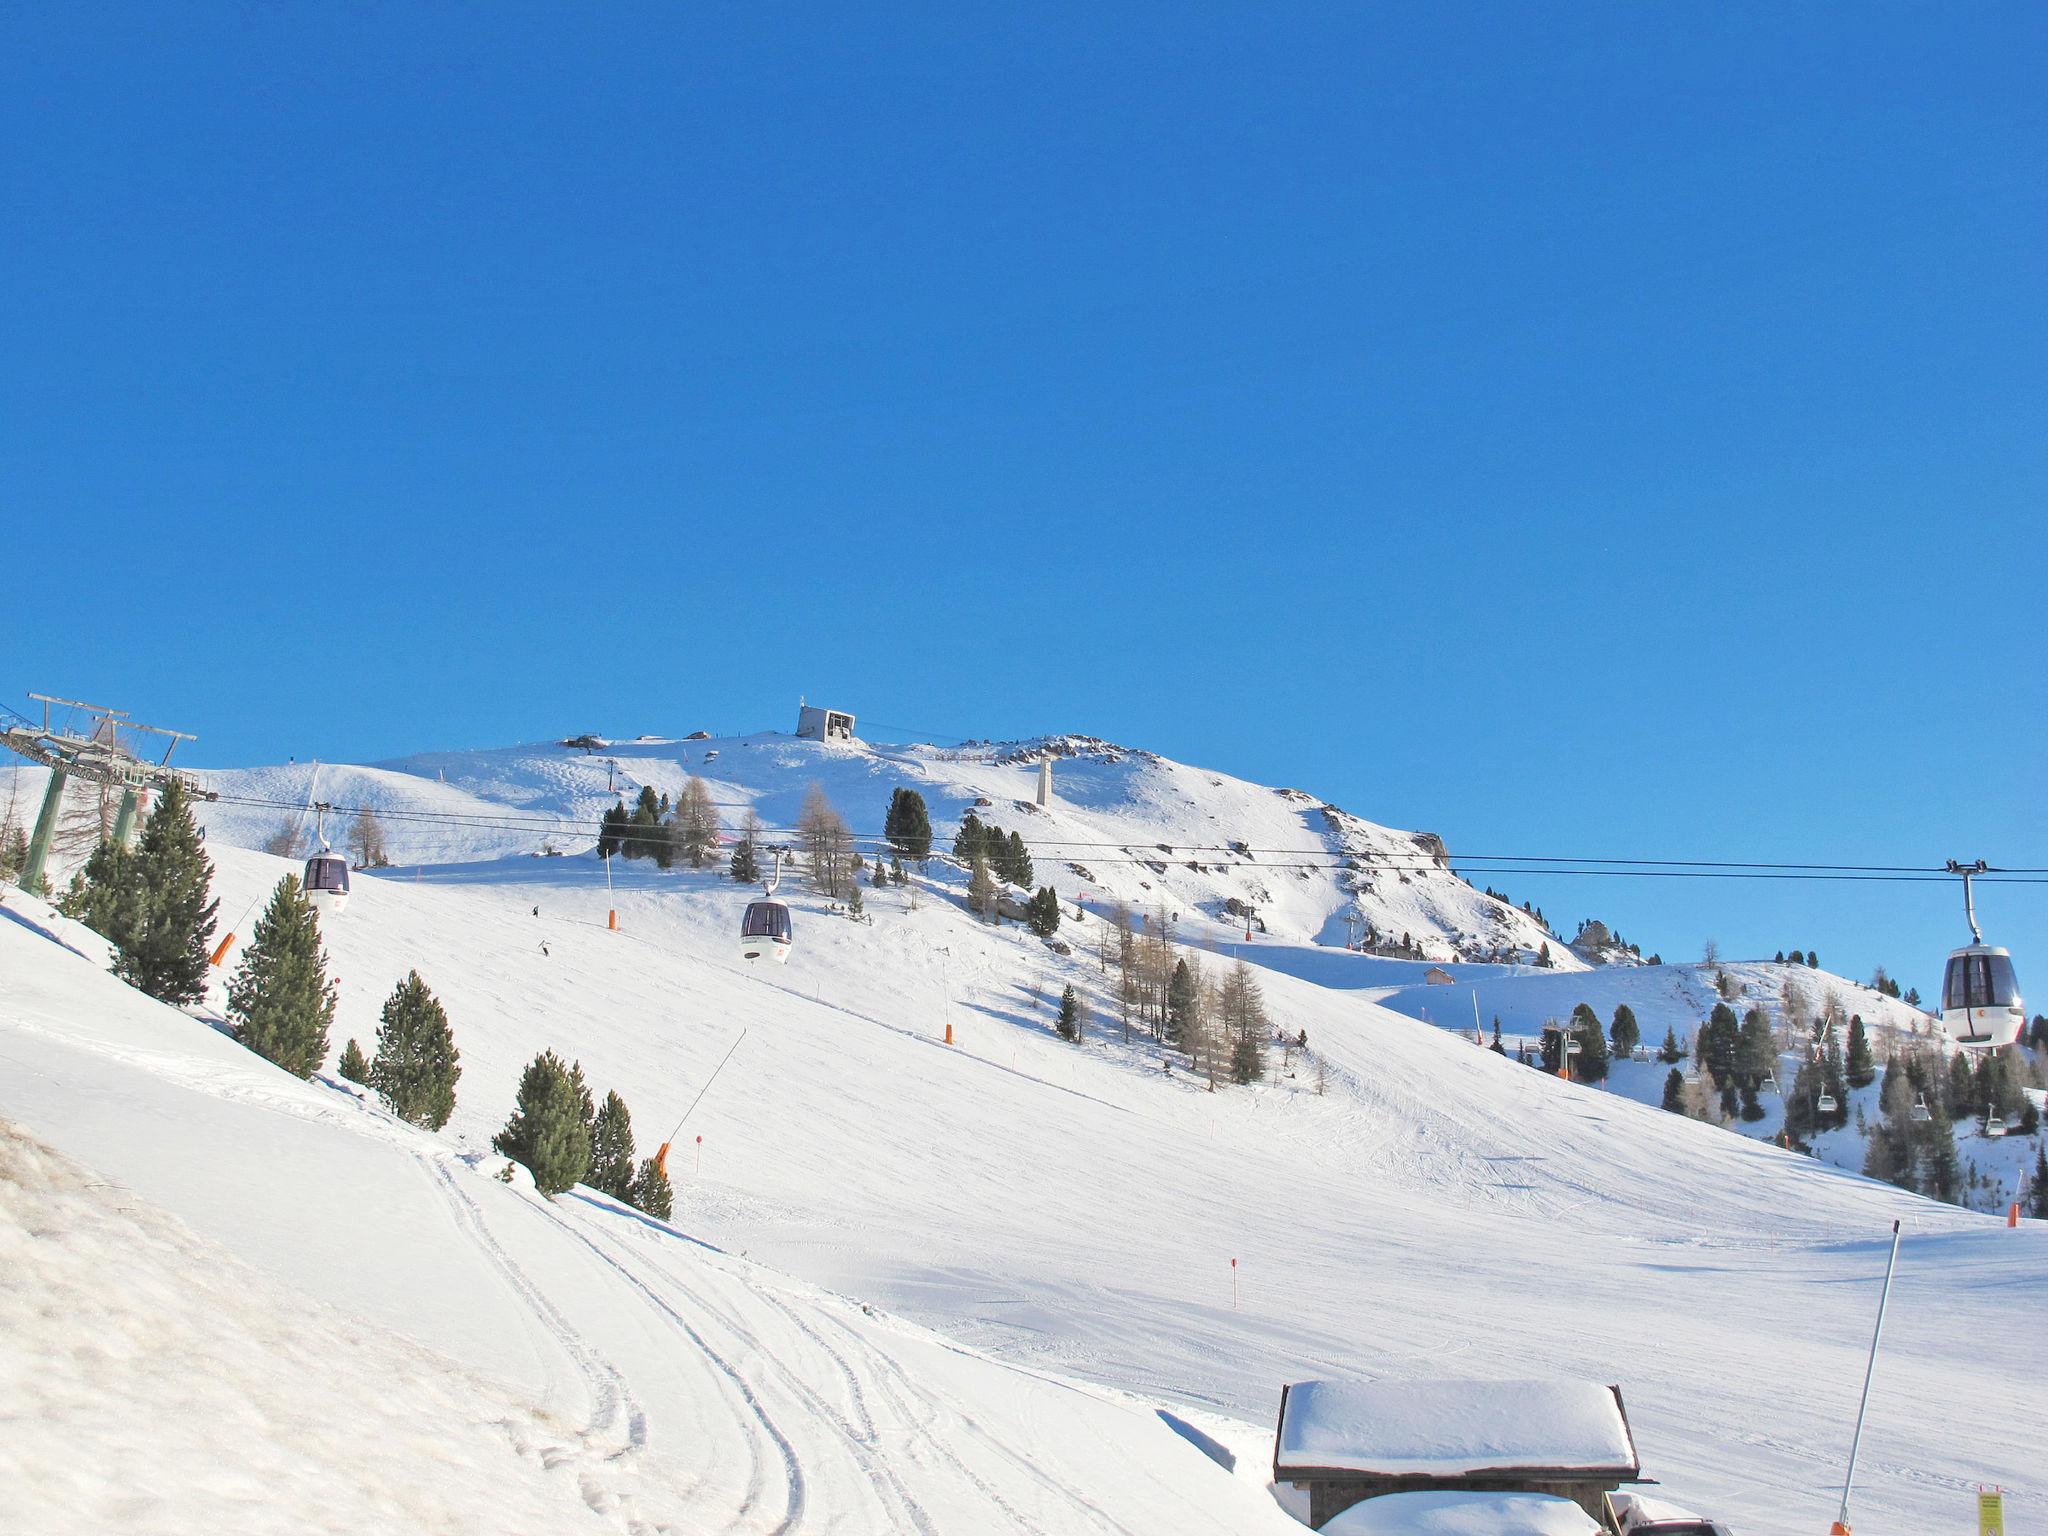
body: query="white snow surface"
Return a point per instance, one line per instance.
(1123, 823)
(1450, 1427)
(985, 1287)
(1463, 1514)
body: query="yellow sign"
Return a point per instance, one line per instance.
(1990, 1514)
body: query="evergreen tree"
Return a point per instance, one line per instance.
(1070, 1016)
(611, 831)
(13, 850)
(1590, 1065)
(417, 1065)
(1674, 1091)
(1042, 912)
(896, 875)
(1498, 1048)
(970, 843)
(643, 836)
(1795, 958)
(1813, 959)
(550, 1126)
(1942, 1171)
(981, 889)
(280, 1001)
(1963, 1094)
(1751, 1109)
(1670, 1051)
(611, 1150)
(880, 878)
(1182, 995)
(167, 950)
(2037, 1186)
(856, 904)
(1861, 1067)
(1718, 1041)
(353, 1066)
(1779, 957)
(1624, 1031)
(1021, 872)
(651, 1192)
(107, 895)
(908, 825)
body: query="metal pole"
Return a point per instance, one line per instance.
(46, 826)
(124, 819)
(1841, 1525)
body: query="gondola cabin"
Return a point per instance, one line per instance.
(1980, 998)
(766, 932)
(326, 882)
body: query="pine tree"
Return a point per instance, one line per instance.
(1756, 1049)
(280, 1001)
(1778, 958)
(107, 896)
(1751, 1109)
(1498, 1048)
(1861, 1067)
(1963, 1092)
(856, 905)
(1042, 912)
(896, 875)
(981, 889)
(612, 828)
(1624, 1031)
(550, 1126)
(880, 875)
(651, 1192)
(643, 835)
(1020, 872)
(2037, 1187)
(611, 1150)
(1070, 1016)
(1591, 1064)
(1674, 1091)
(417, 1065)
(1670, 1051)
(1813, 959)
(970, 842)
(1182, 994)
(908, 825)
(353, 1066)
(166, 953)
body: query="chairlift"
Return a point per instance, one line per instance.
(1981, 1008)
(1769, 1084)
(1994, 1125)
(326, 880)
(1825, 1104)
(1920, 1110)
(766, 932)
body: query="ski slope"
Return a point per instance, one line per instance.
(1043, 1232)
(1123, 824)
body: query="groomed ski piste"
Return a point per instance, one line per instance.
(906, 1286)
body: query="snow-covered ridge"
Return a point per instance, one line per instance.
(1124, 824)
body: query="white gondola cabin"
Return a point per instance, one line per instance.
(326, 882)
(1981, 1007)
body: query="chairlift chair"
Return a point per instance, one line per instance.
(1920, 1110)
(1769, 1084)
(1981, 1008)
(766, 932)
(1994, 1124)
(1825, 1104)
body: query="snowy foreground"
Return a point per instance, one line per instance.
(909, 1287)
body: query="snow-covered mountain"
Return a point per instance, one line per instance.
(1006, 1284)
(1122, 824)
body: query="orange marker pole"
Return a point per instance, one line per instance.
(220, 952)
(700, 1154)
(1233, 1285)
(661, 1159)
(612, 919)
(2012, 1217)
(949, 1034)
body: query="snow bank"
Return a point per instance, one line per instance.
(1451, 1428)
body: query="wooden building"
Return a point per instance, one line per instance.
(1342, 1442)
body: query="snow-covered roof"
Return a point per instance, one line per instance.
(1463, 1514)
(1452, 1428)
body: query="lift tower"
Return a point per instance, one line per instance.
(99, 756)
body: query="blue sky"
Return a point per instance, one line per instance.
(1605, 430)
